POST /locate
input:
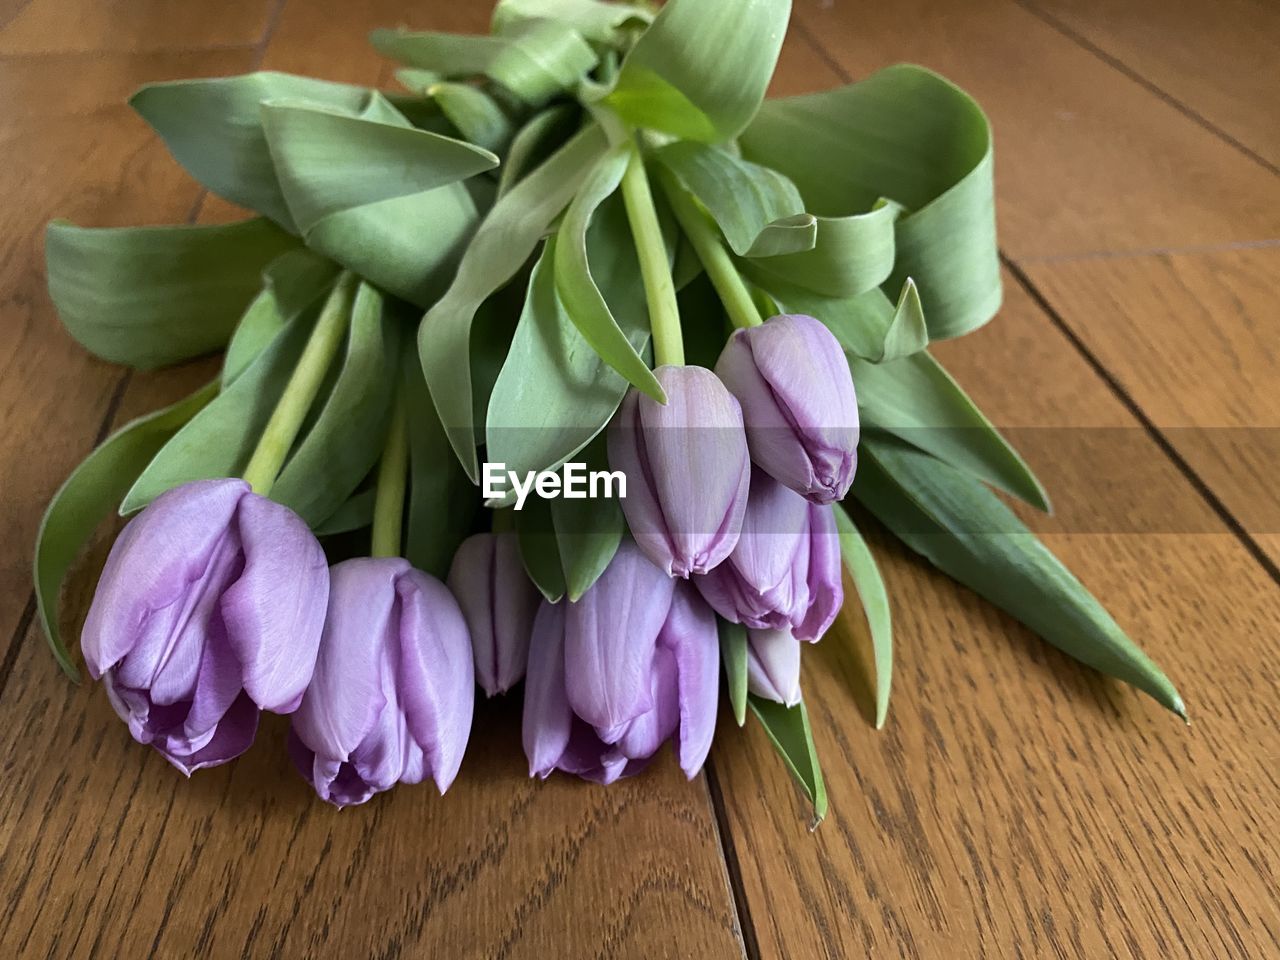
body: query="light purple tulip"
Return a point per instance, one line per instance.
(773, 666)
(393, 690)
(792, 379)
(499, 602)
(687, 470)
(680, 684)
(209, 609)
(785, 572)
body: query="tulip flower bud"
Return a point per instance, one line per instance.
(792, 379)
(785, 572)
(393, 690)
(209, 609)
(680, 678)
(687, 470)
(773, 666)
(499, 602)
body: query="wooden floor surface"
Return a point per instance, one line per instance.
(1016, 805)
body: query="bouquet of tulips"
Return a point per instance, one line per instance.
(580, 248)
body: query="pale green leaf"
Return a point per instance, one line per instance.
(542, 135)
(589, 530)
(579, 294)
(758, 210)
(213, 128)
(733, 654)
(220, 439)
(150, 296)
(868, 325)
(849, 256)
(911, 136)
(915, 399)
(504, 241)
(789, 731)
(701, 69)
(594, 19)
(442, 501)
(536, 531)
(89, 496)
(875, 606)
(346, 439)
(962, 528)
(355, 513)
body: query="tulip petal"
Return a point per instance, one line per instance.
(275, 611)
(499, 602)
(548, 719)
(773, 666)
(609, 639)
(345, 696)
(158, 555)
(825, 576)
(436, 673)
(690, 634)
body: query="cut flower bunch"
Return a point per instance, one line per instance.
(584, 237)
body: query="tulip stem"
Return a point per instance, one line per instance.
(655, 268)
(303, 386)
(393, 473)
(705, 237)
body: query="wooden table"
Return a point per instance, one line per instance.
(1015, 805)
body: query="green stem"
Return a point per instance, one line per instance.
(705, 237)
(300, 392)
(393, 473)
(655, 269)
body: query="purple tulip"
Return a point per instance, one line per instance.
(785, 572)
(773, 666)
(499, 602)
(209, 609)
(393, 690)
(679, 684)
(687, 470)
(792, 379)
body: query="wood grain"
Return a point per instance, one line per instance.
(108, 852)
(1219, 59)
(1194, 339)
(68, 26)
(1017, 804)
(1086, 159)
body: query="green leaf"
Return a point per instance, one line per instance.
(588, 531)
(867, 325)
(582, 300)
(701, 69)
(474, 113)
(875, 606)
(847, 148)
(593, 19)
(150, 296)
(535, 59)
(442, 501)
(759, 210)
(544, 133)
(214, 129)
(733, 654)
(294, 282)
(355, 513)
(555, 394)
(380, 197)
(916, 399)
(220, 438)
(849, 256)
(347, 437)
(500, 247)
(964, 530)
(789, 731)
(535, 528)
(89, 496)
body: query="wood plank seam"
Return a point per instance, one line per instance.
(1157, 435)
(122, 385)
(1152, 252)
(1119, 65)
(748, 939)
